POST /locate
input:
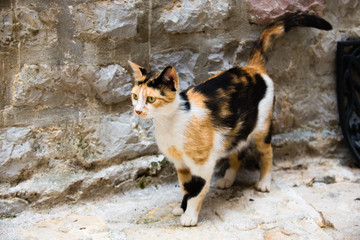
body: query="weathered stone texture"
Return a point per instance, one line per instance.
(316, 199)
(195, 16)
(125, 137)
(10, 207)
(105, 19)
(183, 62)
(65, 109)
(48, 86)
(6, 19)
(266, 11)
(112, 84)
(16, 152)
(51, 86)
(36, 28)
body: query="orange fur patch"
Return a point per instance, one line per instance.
(232, 136)
(196, 98)
(264, 148)
(224, 110)
(160, 99)
(234, 162)
(175, 153)
(237, 80)
(184, 175)
(199, 137)
(264, 42)
(252, 70)
(201, 198)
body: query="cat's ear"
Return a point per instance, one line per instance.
(138, 72)
(170, 77)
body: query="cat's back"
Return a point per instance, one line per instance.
(230, 100)
(236, 78)
(230, 94)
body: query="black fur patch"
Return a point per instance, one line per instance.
(259, 46)
(148, 76)
(143, 71)
(195, 186)
(306, 21)
(267, 139)
(155, 83)
(193, 189)
(184, 202)
(185, 104)
(161, 83)
(242, 103)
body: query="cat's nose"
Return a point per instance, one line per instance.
(138, 112)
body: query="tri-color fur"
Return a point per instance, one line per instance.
(214, 119)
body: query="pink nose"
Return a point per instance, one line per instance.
(138, 112)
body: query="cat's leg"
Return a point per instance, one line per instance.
(196, 189)
(230, 174)
(263, 144)
(184, 176)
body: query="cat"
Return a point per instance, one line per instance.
(214, 119)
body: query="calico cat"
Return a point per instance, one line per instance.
(214, 119)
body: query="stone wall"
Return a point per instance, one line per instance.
(66, 125)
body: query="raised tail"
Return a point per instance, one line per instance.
(257, 56)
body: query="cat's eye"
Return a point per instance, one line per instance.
(135, 97)
(151, 99)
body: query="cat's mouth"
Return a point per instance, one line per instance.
(143, 115)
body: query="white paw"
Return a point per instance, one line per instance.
(188, 220)
(177, 211)
(264, 184)
(224, 183)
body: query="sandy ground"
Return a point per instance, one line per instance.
(308, 201)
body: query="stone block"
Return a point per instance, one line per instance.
(266, 12)
(16, 153)
(116, 20)
(125, 137)
(182, 61)
(48, 86)
(223, 56)
(195, 16)
(6, 27)
(36, 28)
(113, 84)
(11, 207)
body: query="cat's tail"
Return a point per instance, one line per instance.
(257, 56)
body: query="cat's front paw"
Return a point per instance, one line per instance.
(178, 211)
(188, 220)
(264, 184)
(224, 183)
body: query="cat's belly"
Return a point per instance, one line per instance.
(175, 148)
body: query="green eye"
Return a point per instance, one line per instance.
(151, 99)
(135, 96)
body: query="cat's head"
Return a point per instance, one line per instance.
(153, 92)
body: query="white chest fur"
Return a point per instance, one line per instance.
(169, 133)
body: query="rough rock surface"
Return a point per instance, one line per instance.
(265, 11)
(105, 19)
(16, 149)
(183, 61)
(301, 205)
(113, 84)
(194, 16)
(66, 128)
